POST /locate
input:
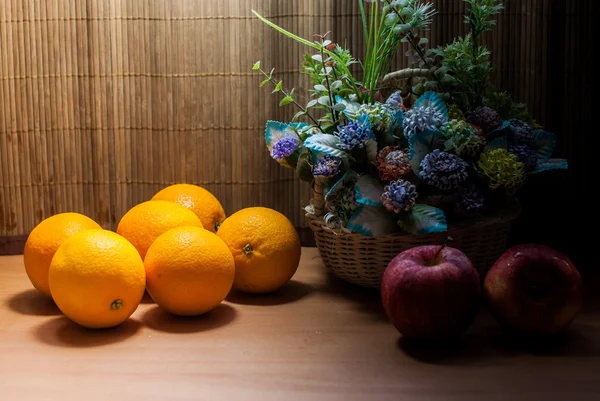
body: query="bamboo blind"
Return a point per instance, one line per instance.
(104, 102)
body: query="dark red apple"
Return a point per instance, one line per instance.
(534, 289)
(431, 292)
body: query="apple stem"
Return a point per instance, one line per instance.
(439, 251)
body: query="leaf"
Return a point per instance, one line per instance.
(324, 100)
(371, 147)
(349, 178)
(339, 107)
(274, 131)
(551, 164)
(352, 108)
(372, 221)
(321, 88)
(422, 144)
(304, 168)
(368, 190)
(502, 127)
(326, 143)
(326, 43)
(317, 57)
(278, 86)
(256, 66)
(312, 103)
(286, 100)
(336, 85)
(432, 99)
(499, 143)
(543, 145)
(263, 83)
(298, 115)
(424, 219)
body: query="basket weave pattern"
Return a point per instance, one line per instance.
(362, 260)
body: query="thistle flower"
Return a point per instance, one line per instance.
(471, 199)
(393, 163)
(455, 113)
(521, 133)
(503, 169)
(526, 155)
(379, 115)
(443, 170)
(419, 119)
(354, 135)
(284, 147)
(485, 118)
(399, 196)
(327, 167)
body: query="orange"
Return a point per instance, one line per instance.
(145, 222)
(265, 247)
(45, 239)
(97, 278)
(198, 200)
(189, 271)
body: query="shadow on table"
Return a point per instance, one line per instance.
(62, 332)
(291, 292)
(489, 344)
(32, 302)
(161, 320)
(147, 299)
(366, 300)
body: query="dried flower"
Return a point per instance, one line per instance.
(284, 147)
(485, 118)
(419, 119)
(503, 169)
(526, 155)
(471, 199)
(327, 167)
(393, 163)
(521, 133)
(399, 196)
(354, 135)
(443, 170)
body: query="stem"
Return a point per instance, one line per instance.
(437, 254)
(333, 112)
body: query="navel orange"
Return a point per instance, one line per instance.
(143, 223)
(197, 199)
(189, 271)
(265, 247)
(97, 278)
(45, 239)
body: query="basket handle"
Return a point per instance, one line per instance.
(319, 198)
(391, 79)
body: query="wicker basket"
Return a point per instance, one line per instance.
(362, 260)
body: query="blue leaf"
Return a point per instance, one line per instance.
(498, 143)
(325, 143)
(372, 221)
(348, 179)
(424, 219)
(275, 131)
(543, 145)
(423, 143)
(432, 99)
(371, 147)
(368, 190)
(397, 123)
(351, 110)
(505, 124)
(551, 164)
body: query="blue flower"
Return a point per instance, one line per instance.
(443, 170)
(520, 133)
(526, 155)
(327, 167)
(284, 147)
(354, 135)
(419, 119)
(399, 196)
(471, 200)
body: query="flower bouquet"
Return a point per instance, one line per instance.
(402, 154)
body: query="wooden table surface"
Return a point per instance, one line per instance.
(316, 339)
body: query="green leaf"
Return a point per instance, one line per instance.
(286, 100)
(336, 85)
(298, 115)
(324, 100)
(256, 66)
(317, 57)
(321, 88)
(263, 83)
(278, 87)
(312, 103)
(339, 107)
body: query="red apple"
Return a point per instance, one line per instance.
(431, 292)
(534, 289)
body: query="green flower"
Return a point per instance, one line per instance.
(380, 116)
(503, 169)
(455, 113)
(462, 138)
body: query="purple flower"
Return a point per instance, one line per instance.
(526, 155)
(327, 167)
(284, 147)
(521, 133)
(399, 196)
(354, 135)
(419, 119)
(471, 200)
(443, 170)
(485, 118)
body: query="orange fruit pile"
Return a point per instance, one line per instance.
(179, 246)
